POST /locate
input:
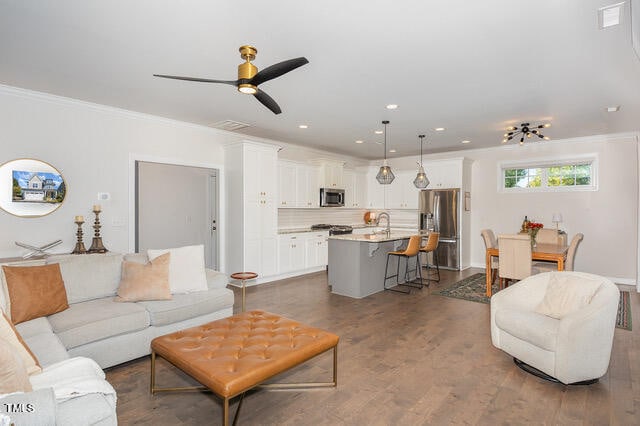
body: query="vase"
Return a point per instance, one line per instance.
(533, 233)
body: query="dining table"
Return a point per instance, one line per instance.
(547, 252)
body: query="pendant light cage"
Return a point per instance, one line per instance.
(385, 176)
(421, 181)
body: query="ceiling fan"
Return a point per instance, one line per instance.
(249, 78)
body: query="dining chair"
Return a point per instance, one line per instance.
(412, 250)
(514, 257)
(432, 247)
(490, 242)
(547, 236)
(568, 264)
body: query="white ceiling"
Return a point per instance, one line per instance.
(473, 67)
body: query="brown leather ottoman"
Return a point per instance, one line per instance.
(235, 354)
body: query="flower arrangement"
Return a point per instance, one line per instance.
(532, 229)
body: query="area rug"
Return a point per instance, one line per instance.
(473, 288)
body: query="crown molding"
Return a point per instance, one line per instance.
(64, 101)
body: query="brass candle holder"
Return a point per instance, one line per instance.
(79, 249)
(96, 245)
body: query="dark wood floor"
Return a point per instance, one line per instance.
(402, 360)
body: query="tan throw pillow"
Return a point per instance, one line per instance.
(566, 294)
(35, 291)
(145, 282)
(9, 334)
(13, 374)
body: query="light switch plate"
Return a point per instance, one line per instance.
(104, 196)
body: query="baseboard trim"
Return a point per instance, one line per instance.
(617, 280)
(271, 278)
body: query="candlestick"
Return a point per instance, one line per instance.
(96, 245)
(79, 248)
(97, 208)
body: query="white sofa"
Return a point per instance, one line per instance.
(96, 327)
(572, 349)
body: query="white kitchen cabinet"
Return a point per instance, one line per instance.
(287, 184)
(444, 174)
(332, 174)
(361, 190)
(355, 189)
(252, 179)
(402, 193)
(317, 249)
(375, 191)
(291, 252)
(308, 186)
(298, 185)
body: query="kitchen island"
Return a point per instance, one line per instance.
(357, 262)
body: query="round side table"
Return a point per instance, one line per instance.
(243, 276)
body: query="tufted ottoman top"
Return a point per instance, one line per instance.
(234, 354)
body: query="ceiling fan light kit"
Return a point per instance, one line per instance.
(385, 176)
(249, 78)
(421, 181)
(525, 131)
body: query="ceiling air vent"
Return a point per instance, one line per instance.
(229, 125)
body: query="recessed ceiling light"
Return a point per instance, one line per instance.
(465, 141)
(378, 132)
(613, 108)
(392, 150)
(392, 106)
(439, 129)
(609, 16)
(359, 141)
(303, 126)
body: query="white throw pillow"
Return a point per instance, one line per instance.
(567, 293)
(186, 268)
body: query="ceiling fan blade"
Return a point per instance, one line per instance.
(267, 101)
(277, 70)
(202, 80)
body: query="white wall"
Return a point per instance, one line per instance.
(608, 217)
(92, 145)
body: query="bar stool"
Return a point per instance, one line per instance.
(243, 276)
(430, 247)
(412, 250)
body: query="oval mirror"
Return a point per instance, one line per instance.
(30, 188)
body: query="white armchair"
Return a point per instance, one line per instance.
(575, 348)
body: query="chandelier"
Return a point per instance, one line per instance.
(525, 131)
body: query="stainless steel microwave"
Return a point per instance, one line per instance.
(330, 197)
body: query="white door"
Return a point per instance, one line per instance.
(176, 206)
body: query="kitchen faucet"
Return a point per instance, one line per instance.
(386, 215)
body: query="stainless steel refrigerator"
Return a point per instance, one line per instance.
(440, 211)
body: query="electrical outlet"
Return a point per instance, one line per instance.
(104, 196)
(118, 223)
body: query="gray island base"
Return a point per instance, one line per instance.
(357, 262)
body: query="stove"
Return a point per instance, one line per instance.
(334, 229)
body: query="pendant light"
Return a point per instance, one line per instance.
(385, 175)
(421, 181)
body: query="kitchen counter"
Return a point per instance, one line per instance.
(413, 229)
(357, 262)
(298, 230)
(374, 238)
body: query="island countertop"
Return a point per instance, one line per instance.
(374, 238)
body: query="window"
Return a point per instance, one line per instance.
(559, 175)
